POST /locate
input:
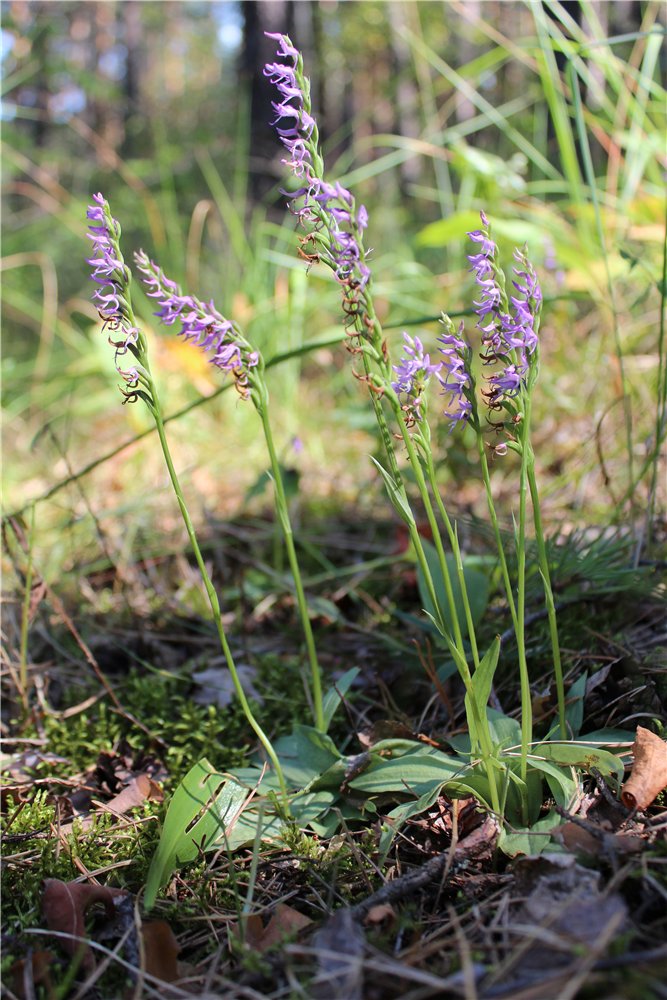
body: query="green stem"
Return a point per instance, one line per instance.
(481, 724)
(433, 524)
(213, 597)
(526, 702)
(517, 609)
(25, 615)
(283, 516)
(548, 595)
(456, 549)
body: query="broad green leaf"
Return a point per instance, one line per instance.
(414, 773)
(563, 786)
(204, 804)
(476, 584)
(505, 731)
(523, 799)
(582, 756)
(335, 695)
(444, 231)
(529, 840)
(305, 754)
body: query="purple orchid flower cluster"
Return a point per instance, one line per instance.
(201, 323)
(508, 332)
(508, 329)
(330, 209)
(113, 276)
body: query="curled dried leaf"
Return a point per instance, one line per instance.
(65, 904)
(649, 772)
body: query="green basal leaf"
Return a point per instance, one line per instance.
(412, 773)
(582, 756)
(563, 786)
(396, 747)
(505, 731)
(205, 804)
(529, 840)
(519, 794)
(305, 754)
(476, 583)
(335, 695)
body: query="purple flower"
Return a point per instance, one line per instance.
(328, 209)
(508, 327)
(112, 297)
(412, 375)
(200, 323)
(456, 381)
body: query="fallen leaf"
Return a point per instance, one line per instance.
(339, 947)
(563, 898)
(160, 950)
(380, 913)
(580, 840)
(649, 772)
(65, 904)
(34, 970)
(135, 794)
(284, 922)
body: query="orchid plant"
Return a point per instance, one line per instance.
(308, 780)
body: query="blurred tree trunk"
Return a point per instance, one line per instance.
(131, 10)
(41, 55)
(256, 50)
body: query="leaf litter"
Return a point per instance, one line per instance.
(446, 915)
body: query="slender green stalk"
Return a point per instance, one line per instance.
(486, 477)
(526, 701)
(25, 615)
(543, 563)
(433, 524)
(213, 597)
(456, 549)
(283, 515)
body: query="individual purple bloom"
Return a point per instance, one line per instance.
(412, 375)
(455, 375)
(111, 298)
(200, 323)
(506, 382)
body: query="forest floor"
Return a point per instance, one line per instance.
(116, 703)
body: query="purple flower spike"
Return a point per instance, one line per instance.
(412, 375)
(112, 297)
(508, 327)
(328, 210)
(456, 382)
(200, 323)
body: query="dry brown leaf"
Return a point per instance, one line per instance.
(284, 921)
(649, 772)
(135, 794)
(378, 914)
(578, 839)
(65, 904)
(35, 970)
(161, 950)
